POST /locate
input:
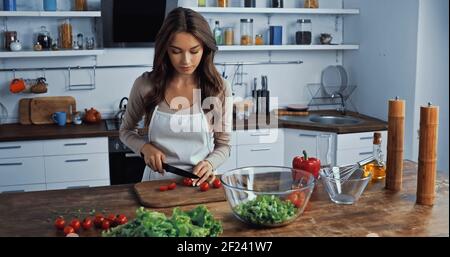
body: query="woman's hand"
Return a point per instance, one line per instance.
(153, 157)
(205, 171)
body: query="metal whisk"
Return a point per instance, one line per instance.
(344, 173)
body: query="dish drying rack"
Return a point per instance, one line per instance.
(321, 97)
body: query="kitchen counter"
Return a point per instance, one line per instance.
(378, 212)
(18, 132)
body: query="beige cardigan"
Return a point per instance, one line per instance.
(135, 111)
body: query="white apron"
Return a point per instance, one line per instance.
(184, 138)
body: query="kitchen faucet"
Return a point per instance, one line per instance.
(342, 109)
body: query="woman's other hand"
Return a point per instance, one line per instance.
(205, 171)
(153, 157)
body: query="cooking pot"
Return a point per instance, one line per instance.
(92, 116)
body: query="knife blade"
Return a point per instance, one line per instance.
(179, 171)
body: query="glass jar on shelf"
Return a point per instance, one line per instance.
(246, 31)
(44, 39)
(80, 5)
(311, 4)
(65, 35)
(201, 3)
(250, 3)
(222, 3)
(303, 34)
(229, 36)
(259, 39)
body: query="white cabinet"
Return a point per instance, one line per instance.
(316, 144)
(53, 164)
(354, 147)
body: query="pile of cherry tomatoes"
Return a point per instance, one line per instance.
(100, 222)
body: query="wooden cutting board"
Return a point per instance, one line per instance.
(281, 112)
(24, 111)
(42, 108)
(150, 196)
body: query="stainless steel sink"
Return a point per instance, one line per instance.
(335, 120)
(325, 120)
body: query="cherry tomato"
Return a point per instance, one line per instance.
(98, 221)
(105, 224)
(217, 183)
(121, 219)
(87, 223)
(68, 230)
(111, 217)
(187, 182)
(172, 186)
(163, 188)
(297, 198)
(60, 223)
(75, 224)
(204, 187)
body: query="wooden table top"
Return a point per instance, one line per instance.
(378, 212)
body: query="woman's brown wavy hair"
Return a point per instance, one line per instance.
(210, 82)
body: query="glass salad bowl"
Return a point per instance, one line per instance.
(267, 196)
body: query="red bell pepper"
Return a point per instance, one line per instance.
(308, 164)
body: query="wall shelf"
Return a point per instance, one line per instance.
(286, 47)
(50, 14)
(59, 53)
(235, 10)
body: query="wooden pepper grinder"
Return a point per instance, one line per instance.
(394, 162)
(426, 177)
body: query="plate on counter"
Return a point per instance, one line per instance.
(334, 79)
(297, 107)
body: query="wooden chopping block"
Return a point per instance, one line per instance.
(24, 111)
(42, 108)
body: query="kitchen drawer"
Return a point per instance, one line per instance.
(261, 154)
(76, 146)
(22, 171)
(352, 156)
(77, 184)
(355, 140)
(21, 149)
(77, 167)
(260, 136)
(22, 188)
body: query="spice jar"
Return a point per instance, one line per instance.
(246, 31)
(80, 5)
(303, 35)
(65, 34)
(250, 3)
(277, 4)
(229, 36)
(44, 39)
(259, 40)
(222, 3)
(311, 4)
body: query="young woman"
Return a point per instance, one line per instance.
(186, 103)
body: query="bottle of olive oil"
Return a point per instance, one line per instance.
(377, 168)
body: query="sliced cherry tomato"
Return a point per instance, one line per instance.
(98, 221)
(121, 219)
(163, 188)
(87, 223)
(75, 224)
(204, 187)
(187, 182)
(172, 186)
(105, 224)
(60, 223)
(217, 183)
(68, 230)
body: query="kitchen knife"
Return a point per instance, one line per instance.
(178, 171)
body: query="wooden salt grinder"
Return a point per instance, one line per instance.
(426, 177)
(394, 162)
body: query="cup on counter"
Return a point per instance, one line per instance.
(59, 118)
(276, 35)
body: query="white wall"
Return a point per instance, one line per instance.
(403, 52)
(288, 82)
(385, 65)
(432, 81)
